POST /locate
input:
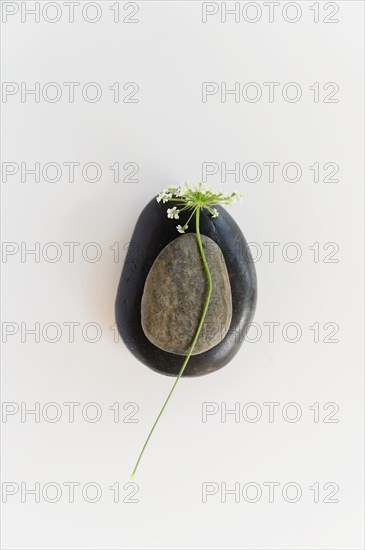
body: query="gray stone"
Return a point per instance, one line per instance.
(174, 295)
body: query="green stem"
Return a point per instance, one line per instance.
(191, 349)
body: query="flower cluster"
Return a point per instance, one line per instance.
(191, 198)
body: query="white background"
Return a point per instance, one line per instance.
(169, 133)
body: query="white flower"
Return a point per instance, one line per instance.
(173, 213)
(238, 197)
(174, 191)
(164, 196)
(181, 229)
(215, 213)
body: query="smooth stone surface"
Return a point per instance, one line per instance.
(152, 233)
(175, 292)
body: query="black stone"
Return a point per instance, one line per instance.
(152, 233)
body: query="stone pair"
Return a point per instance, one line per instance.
(163, 287)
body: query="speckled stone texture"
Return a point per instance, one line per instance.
(152, 233)
(175, 292)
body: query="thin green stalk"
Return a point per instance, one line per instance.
(206, 305)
